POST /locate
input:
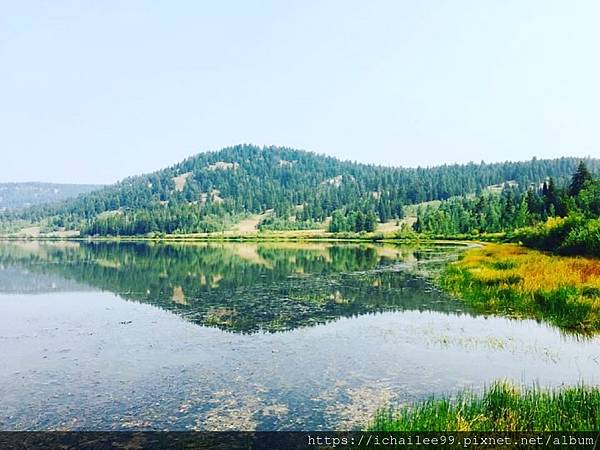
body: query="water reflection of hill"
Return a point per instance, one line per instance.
(239, 287)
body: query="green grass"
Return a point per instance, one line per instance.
(501, 407)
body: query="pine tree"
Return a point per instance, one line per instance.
(580, 178)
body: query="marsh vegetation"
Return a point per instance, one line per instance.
(503, 407)
(512, 280)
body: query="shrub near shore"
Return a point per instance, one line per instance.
(572, 235)
(512, 280)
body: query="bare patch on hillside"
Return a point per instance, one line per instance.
(223, 165)
(213, 196)
(111, 213)
(180, 181)
(250, 224)
(335, 181)
(36, 231)
(283, 163)
(29, 232)
(388, 227)
(498, 188)
(396, 225)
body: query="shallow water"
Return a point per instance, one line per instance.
(248, 336)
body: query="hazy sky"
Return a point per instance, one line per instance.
(93, 91)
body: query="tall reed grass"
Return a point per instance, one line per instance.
(501, 407)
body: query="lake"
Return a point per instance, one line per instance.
(211, 336)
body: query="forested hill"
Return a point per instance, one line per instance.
(22, 195)
(204, 191)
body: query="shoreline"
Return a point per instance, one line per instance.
(250, 239)
(285, 236)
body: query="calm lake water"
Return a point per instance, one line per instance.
(248, 336)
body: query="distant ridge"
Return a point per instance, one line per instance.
(14, 196)
(212, 190)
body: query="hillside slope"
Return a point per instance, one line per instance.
(212, 190)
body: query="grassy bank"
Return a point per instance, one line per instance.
(513, 280)
(502, 407)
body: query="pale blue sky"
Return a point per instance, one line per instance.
(93, 91)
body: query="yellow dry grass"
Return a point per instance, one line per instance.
(535, 270)
(248, 225)
(509, 279)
